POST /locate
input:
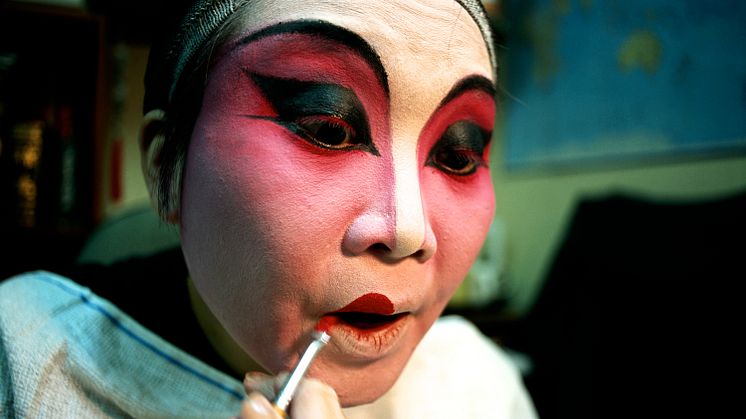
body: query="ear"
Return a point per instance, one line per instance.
(151, 143)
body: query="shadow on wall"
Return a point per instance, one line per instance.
(638, 314)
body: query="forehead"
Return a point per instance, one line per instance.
(424, 45)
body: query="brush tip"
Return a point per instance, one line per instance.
(324, 324)
(322, 337)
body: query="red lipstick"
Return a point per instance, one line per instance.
(367, 328)
(325, 323)
(372, 303)
(368, 313)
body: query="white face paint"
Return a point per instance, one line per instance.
(285, 221)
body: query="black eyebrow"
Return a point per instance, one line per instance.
(473, 82)
(329, 31)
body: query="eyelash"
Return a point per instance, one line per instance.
(462, 162)
(457, 152)
(331, 116)
(325, 115)
(460, 149)
(318, 128)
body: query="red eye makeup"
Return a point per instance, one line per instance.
(326, 115)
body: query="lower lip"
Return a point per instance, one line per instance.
(365, 344)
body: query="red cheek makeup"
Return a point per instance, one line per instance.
(286, 393)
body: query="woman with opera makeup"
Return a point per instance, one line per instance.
(324, 161)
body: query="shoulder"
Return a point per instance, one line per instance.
(63, 347)
(27, 297)
(38, 303)
(455, 336)
(28, 305)
(455, 351)
(475, 377)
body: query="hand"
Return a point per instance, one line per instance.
(313, 399)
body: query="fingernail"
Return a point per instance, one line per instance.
(258, 404)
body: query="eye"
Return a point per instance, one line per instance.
(326, 115)
(327, 131)
(460, 151)
(458, 162)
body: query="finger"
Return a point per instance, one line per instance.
(256, 406)
(315, 399)
(261, 383)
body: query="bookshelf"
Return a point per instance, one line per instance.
(52, 113)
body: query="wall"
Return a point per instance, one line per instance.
(592, 80)
(536, 206)
(128, 72)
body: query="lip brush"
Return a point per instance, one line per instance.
(285, 395)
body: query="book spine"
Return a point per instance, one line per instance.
(25, 146)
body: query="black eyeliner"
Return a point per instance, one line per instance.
(294, 99)
(467, 135)
(461, 137)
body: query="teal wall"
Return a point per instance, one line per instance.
(635, 97)
(536, 207)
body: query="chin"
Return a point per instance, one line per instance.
(365, 388)
(361, 383)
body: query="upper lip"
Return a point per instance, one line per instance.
(371, 303)
(368, 313)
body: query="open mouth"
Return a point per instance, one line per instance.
(366, 328)
(366, 321)
(369, 312)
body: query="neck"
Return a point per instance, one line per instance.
(218, 337)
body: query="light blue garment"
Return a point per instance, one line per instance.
(64, 352)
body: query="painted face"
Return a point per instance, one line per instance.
(338, 171)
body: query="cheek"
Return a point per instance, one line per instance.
(460, 212)
(263, 197)
(245, 191)
(290, 189)
(257, 225)
(263, 218)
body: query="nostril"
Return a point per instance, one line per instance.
(379, 248)
(382, 250)
(376, 234)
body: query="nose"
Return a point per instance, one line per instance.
(378, 234)
(394, 224)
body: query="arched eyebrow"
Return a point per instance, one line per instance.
(473, 82)
(331, 32)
